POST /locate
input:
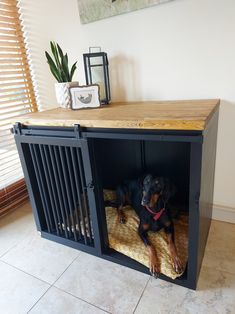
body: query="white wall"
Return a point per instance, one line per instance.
(183, 49)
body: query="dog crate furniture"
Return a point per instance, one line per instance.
(69, 157)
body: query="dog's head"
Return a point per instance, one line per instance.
(153, 188)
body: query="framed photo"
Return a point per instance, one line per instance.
(85, 96)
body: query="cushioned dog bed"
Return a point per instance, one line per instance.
(125, 239)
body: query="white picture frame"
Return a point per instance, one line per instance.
(86, 96)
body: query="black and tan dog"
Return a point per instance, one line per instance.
(149, 197)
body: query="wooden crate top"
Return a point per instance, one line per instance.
(155, 115)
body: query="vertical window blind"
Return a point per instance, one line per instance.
(16, 98)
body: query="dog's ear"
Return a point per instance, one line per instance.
(168, 191)
(147, 179)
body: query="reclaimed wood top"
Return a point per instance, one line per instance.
(164, 115)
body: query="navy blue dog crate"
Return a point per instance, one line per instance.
(67, 168)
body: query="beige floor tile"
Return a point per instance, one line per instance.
(39, 257)
(161, 297)
(56, 301)
(109, 286)
(221, 227)
(18, 291)
(215, 294)
(221, 238)
(14, 227)
(220, 261)
(106, 285)
(26, 207)
(220, 249)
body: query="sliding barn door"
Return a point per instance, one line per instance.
(57, 170)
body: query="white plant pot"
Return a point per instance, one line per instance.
(63, 94)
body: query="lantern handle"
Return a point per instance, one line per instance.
(90, 48)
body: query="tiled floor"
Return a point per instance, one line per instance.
(40, 276)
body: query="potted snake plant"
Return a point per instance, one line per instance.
(60, 69)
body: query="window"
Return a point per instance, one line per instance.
(16, 98)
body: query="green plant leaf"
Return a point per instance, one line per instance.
(55, 53)
(59, 66)
(64, 77)
(53, 68)
(66, 67)
(58, 77)
(73, 68)
(66, 58)
(60, 52)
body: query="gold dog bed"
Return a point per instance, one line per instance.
(125, 239)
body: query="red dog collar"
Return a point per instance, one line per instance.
(156, 215)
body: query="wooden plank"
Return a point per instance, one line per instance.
(13, 97)
(18, 84)
(17, 49)
(9, 79)
(7, 13)
(6, 109)
(11, 19)
(8, 3)
(8, 61)
(19, 55)
(7, 43)
(13, 73)
(17, 108)
(10, 37)
(8, 25)
(10, 8)
(26, 64)
(166, 115)
(4, 93)
(8, 32)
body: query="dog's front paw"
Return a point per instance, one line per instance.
(154, 266)
(177, 265)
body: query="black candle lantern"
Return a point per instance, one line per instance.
(97, 72)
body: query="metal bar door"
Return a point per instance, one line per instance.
(58, 175)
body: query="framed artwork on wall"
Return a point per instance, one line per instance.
(93, 10)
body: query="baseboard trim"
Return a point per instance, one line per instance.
(223, 213)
